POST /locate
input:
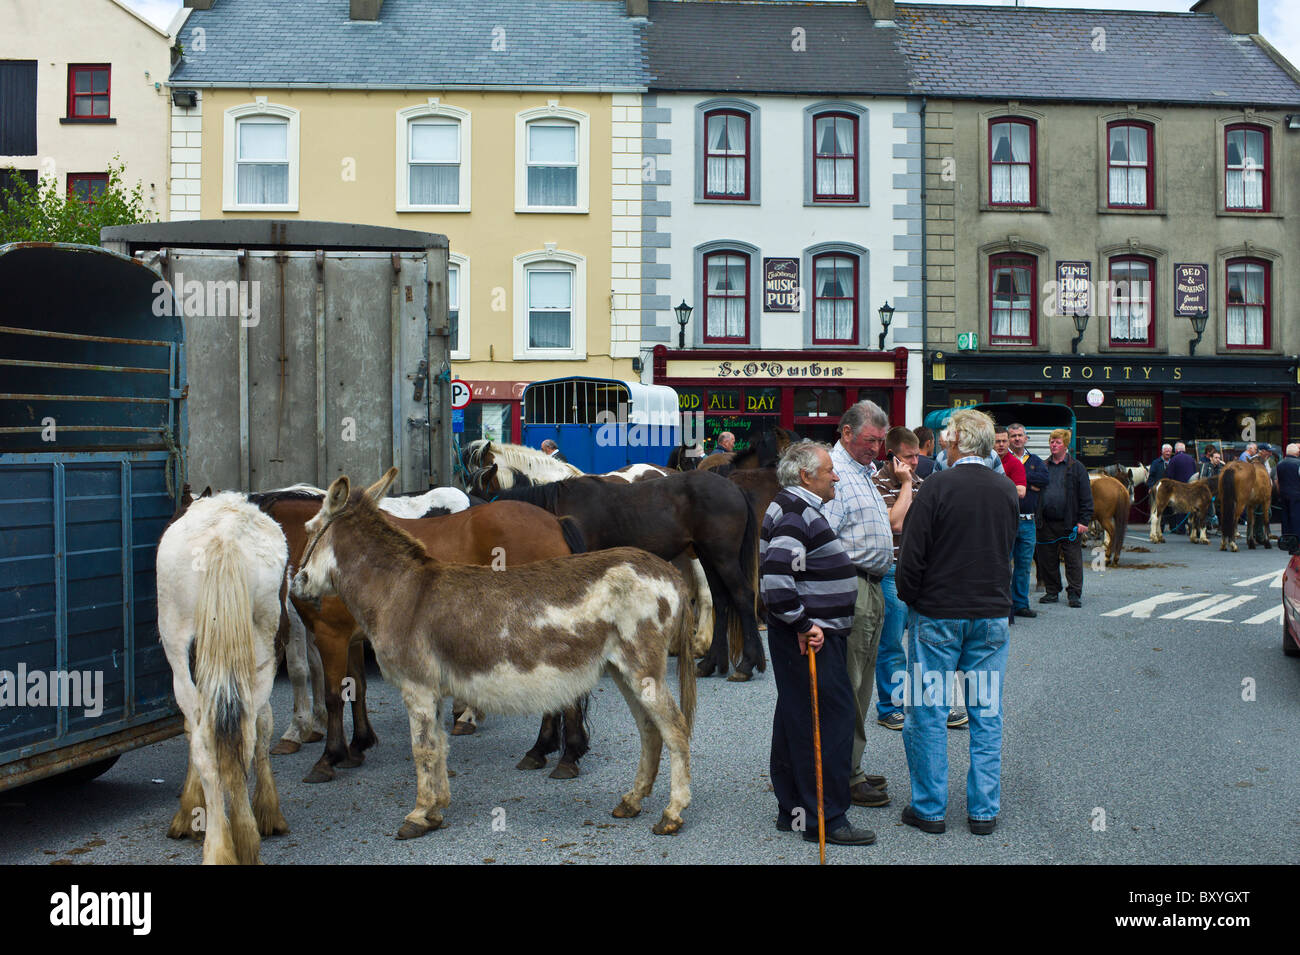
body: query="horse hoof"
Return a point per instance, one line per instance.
(565, 771)
(180, 828)
(315, 737)
(278, 826)
(463, 729)
(531, 762)
(704, 670)
(412, 830)
(360, 744)
(285, 747)
(740, 677)
(319, 774)
(666, 826)
(624, 811)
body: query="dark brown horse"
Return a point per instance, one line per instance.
(664, 517)
(762, 454)
(491, 535)
(1243, 485)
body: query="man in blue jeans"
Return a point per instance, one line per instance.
(1026, 538)
(953, 572)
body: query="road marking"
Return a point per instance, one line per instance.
(1273, 615)
(1209, 603)
(1208, 613)
(1274, 576)
(1144, 608)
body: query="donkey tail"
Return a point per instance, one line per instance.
(685, 639)
(573, 535)
(224, 660)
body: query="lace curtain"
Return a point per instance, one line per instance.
(552, 164)
(262, 173)
(435, 164)
(1011, 302)
(1010, 174)
(727, 295)
(835, 156)
(1128, 166)
(833, 280)
(550, 309)
(726, 155)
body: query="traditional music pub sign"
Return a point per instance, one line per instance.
(780, 285)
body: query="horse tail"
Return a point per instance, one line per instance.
(748, 571)
(1121, 525)
(1228, 505)
(573, 536)
(685, 643)
(224, 664)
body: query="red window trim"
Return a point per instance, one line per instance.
(1002, 260)
(1033, 161)
(73, 70)
(1266, 172)
(853, 335)
(748, 153)
(856, 159)
(88, 177)
(715, 339)
(1151, 164)
(1151, 306)
(1268, 303)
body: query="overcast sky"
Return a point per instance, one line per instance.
(1280, 30)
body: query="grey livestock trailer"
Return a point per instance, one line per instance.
(315, 349)
(92, 439)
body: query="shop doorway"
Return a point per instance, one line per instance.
(1137, 444)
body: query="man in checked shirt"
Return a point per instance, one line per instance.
(860, 519)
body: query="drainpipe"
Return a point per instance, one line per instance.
(925, 274)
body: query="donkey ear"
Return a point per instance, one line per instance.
(337, 496)
(377, 490)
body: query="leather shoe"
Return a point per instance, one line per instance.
(1048, 599)
(865, 794)
(982, 827)
(844, 836)
(1075, 602)
(784, 825)
(925, 825)
(1026, 612)
(878, 781)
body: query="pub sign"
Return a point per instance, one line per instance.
(780, 285)
(1074, 288)
(1191, 290)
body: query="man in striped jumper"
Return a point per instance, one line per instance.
(809, 587)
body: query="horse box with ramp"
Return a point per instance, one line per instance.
(316, 349)
(92, 459)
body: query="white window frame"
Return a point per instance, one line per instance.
(553, 111)
(461, 262)
(550, 257)
(230, 193)
(429, 110)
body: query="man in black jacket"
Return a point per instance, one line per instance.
(954, 573)
(1064, 513)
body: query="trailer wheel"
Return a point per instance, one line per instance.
(84, 774)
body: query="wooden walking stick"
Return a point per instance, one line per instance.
(817, 756)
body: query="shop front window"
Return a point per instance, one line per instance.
(487, 419)
(1225, 418)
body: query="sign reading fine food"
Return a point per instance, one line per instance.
(1074, 288)
(780, 285)
(1191, 290)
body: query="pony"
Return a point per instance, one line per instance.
(487, 535)
(1110, 504)
(1194, 499)
(693, 508)
(1243, 485)
(532, 636)
(536, 465)
(762, 454)
(221, 569)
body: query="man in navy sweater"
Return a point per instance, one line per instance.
(954, 573)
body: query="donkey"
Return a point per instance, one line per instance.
(531, 637)
(221, 569)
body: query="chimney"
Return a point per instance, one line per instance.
(882, 10)
(638, 8)
(199, 4)
(364, 9)
(1239, 16)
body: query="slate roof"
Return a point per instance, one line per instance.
(560, 44)
(1029, 53)
(747, 47)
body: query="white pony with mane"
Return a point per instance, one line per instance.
(538, 466)
(221, 570)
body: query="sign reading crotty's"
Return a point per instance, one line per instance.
(780, 285)
(1191, 290)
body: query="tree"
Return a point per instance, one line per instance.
(44, 214)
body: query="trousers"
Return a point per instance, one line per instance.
(1023, 552)
(890, 657)
(864, 639)
(1049, 559)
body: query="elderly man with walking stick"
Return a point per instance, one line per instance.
(809, 587)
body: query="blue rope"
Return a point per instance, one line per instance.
(1073, 535)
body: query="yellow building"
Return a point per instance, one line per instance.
(514, 129)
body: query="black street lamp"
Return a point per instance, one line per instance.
(683, 316)
(886, 316)
(1080, 326)
(1198, 326)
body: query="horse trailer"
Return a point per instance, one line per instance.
(92, 458)
(603, 424)
(316, 349)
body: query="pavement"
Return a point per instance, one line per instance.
(1156, 724)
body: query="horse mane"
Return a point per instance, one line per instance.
(296, 492)
(533, 464)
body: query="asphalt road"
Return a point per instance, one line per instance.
(1128, 739)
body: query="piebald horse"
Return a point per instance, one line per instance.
(538, 466)
(530, 637)
(221, 573)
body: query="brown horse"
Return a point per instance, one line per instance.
(1194, 499)
(1110, 504)
(532, 636)
(498, 535)
(1243, 485)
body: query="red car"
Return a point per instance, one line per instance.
(1291, 596)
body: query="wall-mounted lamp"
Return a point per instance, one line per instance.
(1080, 326)
(185, 99)
(1293, 121)
(683, 316)
(1198, 326)
(886, 316)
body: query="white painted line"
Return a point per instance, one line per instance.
(1208, 614)
(1273, 576)
(1144, 608)
(1268, 616)
(1194, 608)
